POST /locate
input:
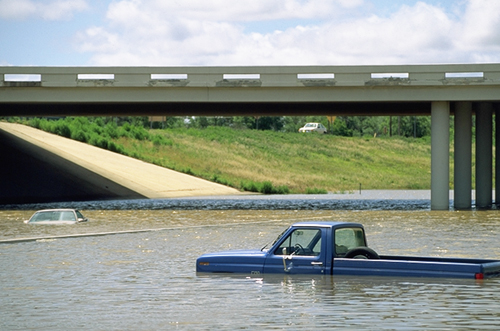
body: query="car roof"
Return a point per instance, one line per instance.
(328, 224)
(52, 210)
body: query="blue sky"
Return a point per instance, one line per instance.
(247, 32)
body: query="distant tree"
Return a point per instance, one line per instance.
(243, 122)
(407, 126)
(269, 123)
(410, 126)
(293, 123)
(360, 125)
(199, 122)
(339, 128)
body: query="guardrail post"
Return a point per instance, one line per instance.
(132, 79)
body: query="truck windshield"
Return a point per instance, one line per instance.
(301, 242)
(270, 244)
(348, 238)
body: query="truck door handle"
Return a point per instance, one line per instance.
(317, 263)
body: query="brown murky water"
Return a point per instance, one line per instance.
(147, 280)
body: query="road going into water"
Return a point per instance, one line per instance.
(119, 175)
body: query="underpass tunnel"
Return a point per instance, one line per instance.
(30, 174)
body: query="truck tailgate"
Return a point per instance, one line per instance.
(491, 269)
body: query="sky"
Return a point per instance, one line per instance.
(247, 32)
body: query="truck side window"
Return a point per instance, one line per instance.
(301, 242)
(348, 238)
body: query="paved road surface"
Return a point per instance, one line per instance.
(102, 167)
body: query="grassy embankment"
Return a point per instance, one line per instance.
(298, 163)
(265, 161)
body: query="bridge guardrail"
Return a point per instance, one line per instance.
(258, 76)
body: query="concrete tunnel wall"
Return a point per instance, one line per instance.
(31, 174)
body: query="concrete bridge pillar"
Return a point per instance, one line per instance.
(440, 155)
(497, 154)
(484, 162)
(463, 156)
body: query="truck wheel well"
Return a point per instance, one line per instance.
(361, 253)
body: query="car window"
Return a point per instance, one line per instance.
(301, 242)
(348, 238)
(79, 214)
(43, 216)
(67, 216)
(54, 215)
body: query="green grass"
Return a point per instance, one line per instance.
(264, 161)
(273, 162)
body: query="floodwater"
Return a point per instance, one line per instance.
(141, 274)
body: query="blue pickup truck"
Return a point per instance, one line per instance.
(338, 248)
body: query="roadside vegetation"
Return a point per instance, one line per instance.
(268, 160)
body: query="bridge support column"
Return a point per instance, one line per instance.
(463, 156)
(484, 162)
(440, 155)
(497, 154)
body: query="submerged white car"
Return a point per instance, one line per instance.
(56, 216)
(313, 127)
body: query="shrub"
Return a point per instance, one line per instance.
(14, 119)
(99, 141)
(102, 143)
(126, 126)
(139, 133)
(265, 187)
(35, 122)
(62, 129)
(111, 130)
(316, 191)
(80, 136)
(282, 190)
(216, 179)
(159, 140)
(249, 186)
(117, 148)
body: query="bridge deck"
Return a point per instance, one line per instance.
(290, 90)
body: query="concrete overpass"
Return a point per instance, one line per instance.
(435, 90)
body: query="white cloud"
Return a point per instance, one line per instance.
(482, 23)
(214, 32)
(237, 11)
(15, 9)
(53, 10)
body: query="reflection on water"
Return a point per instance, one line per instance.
(147, 280)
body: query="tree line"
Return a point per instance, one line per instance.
(347, 126)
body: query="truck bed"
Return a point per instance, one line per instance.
(412, 266)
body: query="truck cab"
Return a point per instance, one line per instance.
(303, 248)
(309, 247)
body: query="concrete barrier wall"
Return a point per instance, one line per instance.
(252, 76)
